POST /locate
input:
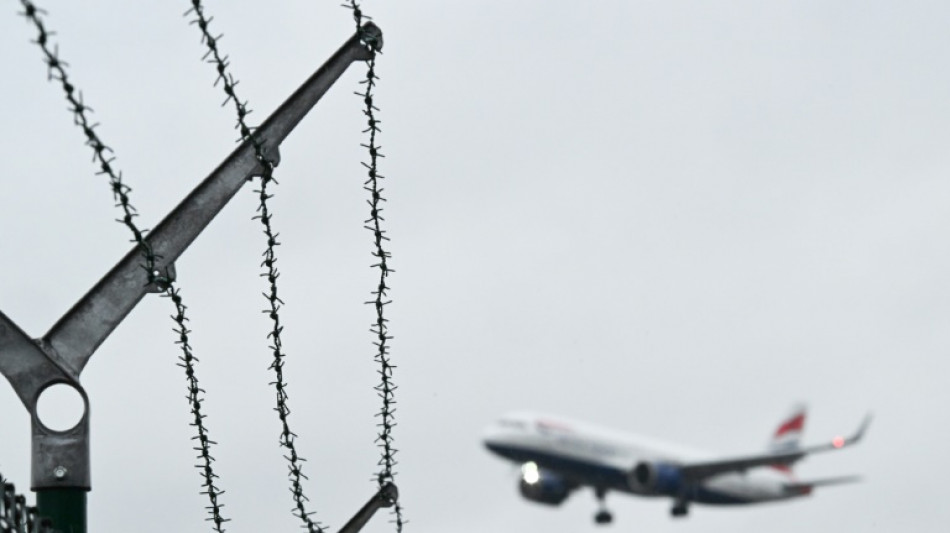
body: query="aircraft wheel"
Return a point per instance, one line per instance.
(679, 510)
(603, 517)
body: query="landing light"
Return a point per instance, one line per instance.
(837, 442)
(530, 473)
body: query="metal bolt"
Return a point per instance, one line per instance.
(60, 472)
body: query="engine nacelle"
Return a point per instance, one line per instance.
(543, 486)
(656, 478)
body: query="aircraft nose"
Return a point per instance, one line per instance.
(492, 438)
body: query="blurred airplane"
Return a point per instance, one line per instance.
(559, 456)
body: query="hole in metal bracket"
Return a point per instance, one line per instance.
(60, 407)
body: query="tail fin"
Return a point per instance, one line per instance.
(789, 433)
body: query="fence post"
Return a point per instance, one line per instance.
(65, 508)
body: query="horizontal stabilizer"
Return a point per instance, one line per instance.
(805, 487)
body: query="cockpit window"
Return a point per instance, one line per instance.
(550, 426)
(513, 424)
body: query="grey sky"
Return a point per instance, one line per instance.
(672, 218)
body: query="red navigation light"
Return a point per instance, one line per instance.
(837, 442)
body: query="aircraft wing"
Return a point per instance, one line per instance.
(706, 469)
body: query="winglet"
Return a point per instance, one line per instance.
(864, 426)
(840, 442)
(859, 433)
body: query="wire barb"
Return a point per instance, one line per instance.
(386, 388)
(269, 264)
(120, 192)
(195, 398)
(101, 152)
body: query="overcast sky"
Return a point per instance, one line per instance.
(671, 218)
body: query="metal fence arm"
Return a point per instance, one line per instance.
(84, 327)
(25, 366)
(387, 496)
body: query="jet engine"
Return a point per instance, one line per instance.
(543, 486)
(655, 478)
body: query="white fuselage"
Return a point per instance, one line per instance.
(587, 455)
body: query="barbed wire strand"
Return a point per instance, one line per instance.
(102, 155)
(269, 264)
(380, 329)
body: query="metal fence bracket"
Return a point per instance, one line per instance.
(387, 496)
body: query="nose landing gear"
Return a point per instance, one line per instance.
(603, 516)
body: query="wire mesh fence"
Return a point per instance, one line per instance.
(18, 517)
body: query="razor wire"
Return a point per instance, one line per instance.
(18, 517)
(103, 156)
(380, 329)
(269, 264)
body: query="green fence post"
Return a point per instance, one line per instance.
(65, 508)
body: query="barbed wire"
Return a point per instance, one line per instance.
(386, 388)
(102, 155)
(195, 399)
(287, 437)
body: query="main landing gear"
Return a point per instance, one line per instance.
(680, 509)
(603, 516)
(681, 502)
